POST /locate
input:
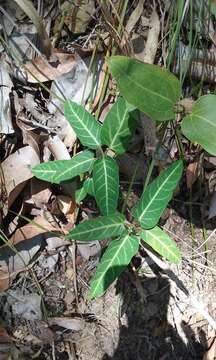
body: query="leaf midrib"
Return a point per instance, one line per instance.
(73, 167)
(122, 240)
(106, 185)
(202, 118)
(99, 228)
(119, 129)
(145, 89)
(157, 238)
(84, 126)
(156, 193)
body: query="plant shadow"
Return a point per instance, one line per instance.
(145, 332)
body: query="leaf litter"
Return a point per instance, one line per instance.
(44, 281)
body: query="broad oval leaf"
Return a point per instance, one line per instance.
(84, 124)
(116, 257)
(151, 89)
(162, 244)
(64, 170)
(106, 184)
(98, 229)
(119, 126)
(200, 125)
(156, 196)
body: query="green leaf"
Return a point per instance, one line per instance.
(116, 257)
(162, 244)
(200, 125)
(84, 124)
(157, 195)
(86, 188)
(213, 7)
(80, 194)
(106, 184)
(98, 229)
(63, 170)
(151, 89)
(119, 126)
(89, 186)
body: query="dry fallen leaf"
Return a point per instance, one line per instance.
(40, 70)
(27, 242)
(17, 170)
(75, 324)
(6, 84)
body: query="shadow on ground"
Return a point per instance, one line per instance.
(145, 333)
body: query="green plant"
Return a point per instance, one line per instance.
(156, 92)
(102, 181)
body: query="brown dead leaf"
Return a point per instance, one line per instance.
(21, 249)
(67, 206)
(17, 170)
(75, 324)
(211, 352)
(40, 192)
(191, 174)
(42, 70)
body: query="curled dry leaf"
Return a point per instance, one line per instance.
(17, 170)
(41, 70)
(66, 205)
(21, 248)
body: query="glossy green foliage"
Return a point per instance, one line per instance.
(162, 244)
(200, 125)
(116, 257)
(84, 124)
(157, 195)
(98, 229)
(64, 170)
(151, 89)
(106, 184)
(119, 126)
(87, 188)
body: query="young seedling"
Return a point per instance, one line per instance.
(156, 92)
